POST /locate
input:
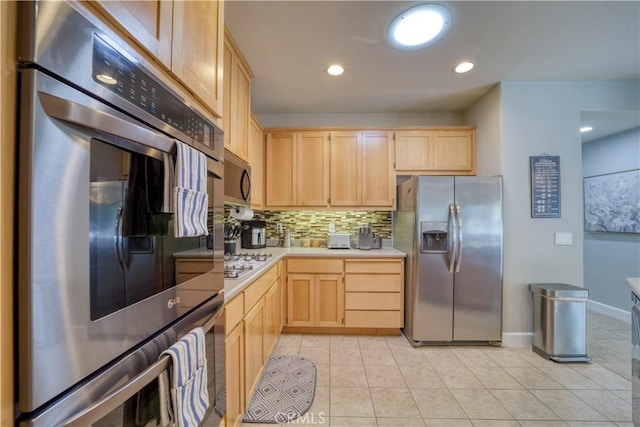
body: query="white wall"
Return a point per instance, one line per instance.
(536, 118)
(485, 115)
(611, 257)
(343, 120)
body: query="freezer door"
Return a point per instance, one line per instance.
(433, 298)
(478, 283)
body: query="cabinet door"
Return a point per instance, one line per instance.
(148, 22)
(312, 169)
(346, 169)
(378, 177)
(256, 161)
(241, 110)
(414, 150)
(197, 49)
(271, 304)
(282, 309)
(300, 300)
(279, 169)
(329, 300)
(234, 376)
(226, 94)
(254, 331)
(454, 150)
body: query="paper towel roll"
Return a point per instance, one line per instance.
(241, 213)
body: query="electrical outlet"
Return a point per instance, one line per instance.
(332, 227)
(279, 227)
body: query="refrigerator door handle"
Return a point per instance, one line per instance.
(459, 237)
(453, 241)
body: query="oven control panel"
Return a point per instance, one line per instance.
(117, 74)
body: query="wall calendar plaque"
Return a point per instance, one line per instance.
(545, 186)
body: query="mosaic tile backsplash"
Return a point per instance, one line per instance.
(314, 225)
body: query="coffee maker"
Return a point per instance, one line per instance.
(254, 234)
(364, 237)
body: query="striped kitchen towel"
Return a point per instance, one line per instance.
(188, 400)
(190, 192)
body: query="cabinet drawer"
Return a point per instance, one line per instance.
(314, 265)
(193, 266)
(373, 266)
(373, 319)
(373, 283)
(233, 313)
(373, 301)
(257, 289)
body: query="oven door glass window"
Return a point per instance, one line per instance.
(131, 239)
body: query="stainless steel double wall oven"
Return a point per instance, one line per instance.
(97, 295)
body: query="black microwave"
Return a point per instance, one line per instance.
(237, 180)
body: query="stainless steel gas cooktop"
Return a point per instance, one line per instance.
(237, 265)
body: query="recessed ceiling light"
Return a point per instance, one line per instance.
(464, 67)
(419, 26)
(335, 70)
(584, 129)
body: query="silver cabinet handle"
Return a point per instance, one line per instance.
(453, 241)
(459, 236)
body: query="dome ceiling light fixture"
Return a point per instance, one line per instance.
(335, 70)
(464, 67)
(419, 26)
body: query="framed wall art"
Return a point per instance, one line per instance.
(545, 186)
(612, 202)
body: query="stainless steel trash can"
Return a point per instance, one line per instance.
(560, 321)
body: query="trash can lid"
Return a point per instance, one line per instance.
(559, 290)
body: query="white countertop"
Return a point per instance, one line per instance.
(634, 285)
(233, 287)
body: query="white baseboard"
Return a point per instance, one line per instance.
(517, 339)
(616, 313)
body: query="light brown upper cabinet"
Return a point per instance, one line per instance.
(435, 152)
(362, 169)
(346, 168)
(297, 169)
(185, 36)
(237, 99)
(378, 176)
(256, 161)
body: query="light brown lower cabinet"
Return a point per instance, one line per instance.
(272, 316)
(234, 376)
(315, 292)
(374, 293)
(252, 327)
(254, 333)
(345, 293)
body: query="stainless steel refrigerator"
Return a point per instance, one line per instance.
(451, 229)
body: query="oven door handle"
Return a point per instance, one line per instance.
(120, 395)
(103, 121)
(95, 118)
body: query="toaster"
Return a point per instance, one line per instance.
(338, 241)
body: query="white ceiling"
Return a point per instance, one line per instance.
(289, 45)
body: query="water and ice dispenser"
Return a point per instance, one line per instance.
(435, 237)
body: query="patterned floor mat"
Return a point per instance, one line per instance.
(285, 392)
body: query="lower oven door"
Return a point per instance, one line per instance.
(126, 394)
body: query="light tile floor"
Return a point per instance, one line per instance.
(383, 381)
